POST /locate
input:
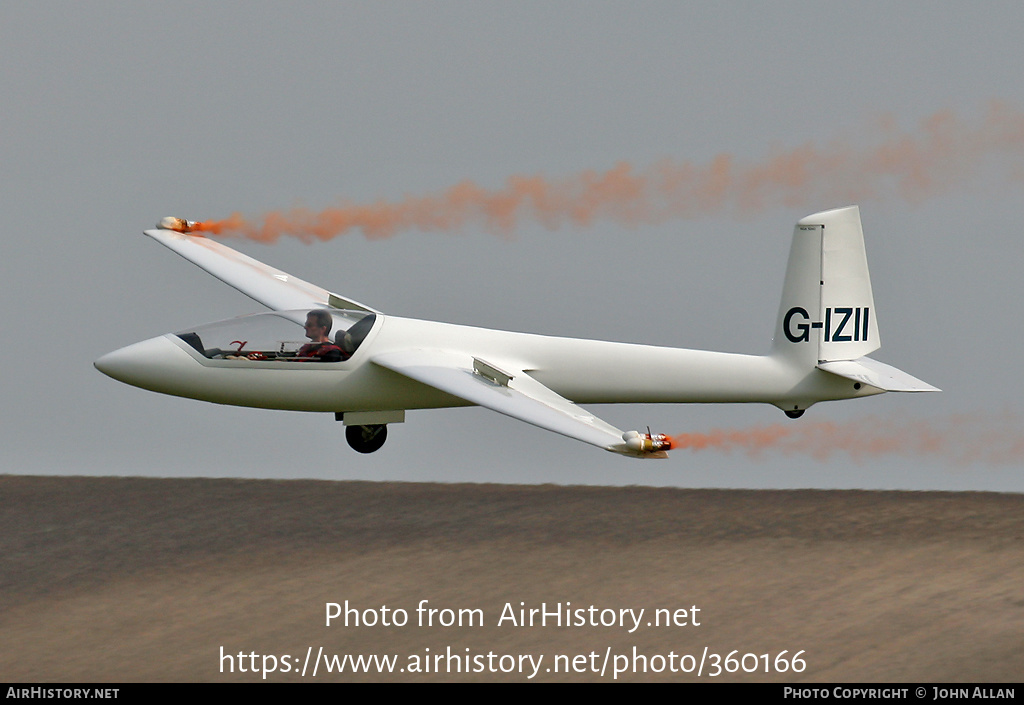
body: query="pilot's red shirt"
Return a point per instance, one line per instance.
(322, 352)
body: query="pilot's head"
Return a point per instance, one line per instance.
(318, 324)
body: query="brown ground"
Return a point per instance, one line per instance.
(126, 579)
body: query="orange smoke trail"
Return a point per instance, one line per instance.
(958, 439)
(915, 165)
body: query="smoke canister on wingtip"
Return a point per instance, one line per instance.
(646, 442)
(176, 224)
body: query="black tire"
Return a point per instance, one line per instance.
(366, 439)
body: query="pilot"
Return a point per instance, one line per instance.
(321, 348)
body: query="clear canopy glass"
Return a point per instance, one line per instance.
(277, 335)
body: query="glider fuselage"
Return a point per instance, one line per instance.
(583, 371)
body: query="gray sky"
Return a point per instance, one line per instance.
(115, 114)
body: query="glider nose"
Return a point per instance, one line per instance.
(154, 364)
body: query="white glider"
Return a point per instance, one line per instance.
(386, 365)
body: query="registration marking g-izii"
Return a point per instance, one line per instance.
(838, 326)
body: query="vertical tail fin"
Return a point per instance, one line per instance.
(827, 311)
(827, 316)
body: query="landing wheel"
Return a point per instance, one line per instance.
(794, 413)
(366, 439)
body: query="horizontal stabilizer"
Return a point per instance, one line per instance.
(877, 374)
